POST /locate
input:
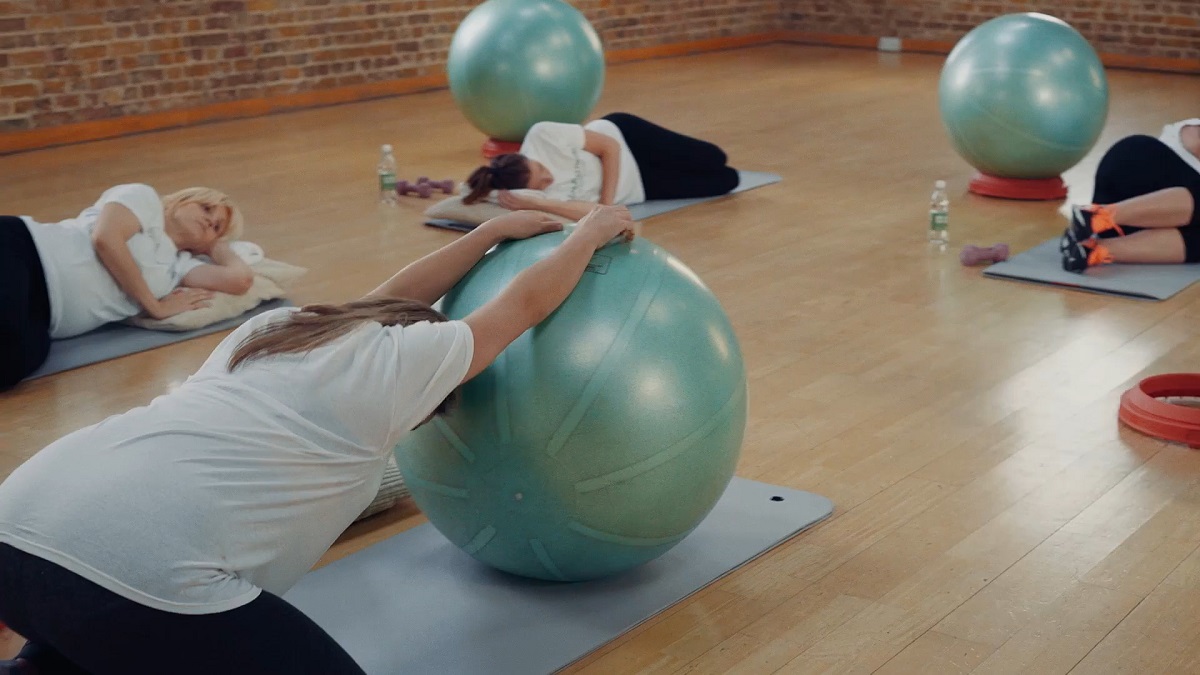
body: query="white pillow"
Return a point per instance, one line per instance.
(271, 278)
(453, 208)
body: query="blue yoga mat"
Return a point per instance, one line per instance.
(1043, 265)
(415, 603)
(749, 181)
(116, 339)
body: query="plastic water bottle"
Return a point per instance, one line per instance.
(939, 215)
(387, 176)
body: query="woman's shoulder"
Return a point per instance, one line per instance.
(545, 127)
(554, 133)
(130, 190)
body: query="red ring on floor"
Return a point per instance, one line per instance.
(1032, 189)
(1142, 410)
(493, 147)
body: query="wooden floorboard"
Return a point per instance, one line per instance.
(992, 516)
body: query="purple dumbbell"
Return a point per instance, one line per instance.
(446, 186)
(404, 187)
(974, 255)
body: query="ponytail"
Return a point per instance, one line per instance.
(480, 183)
(505, 172)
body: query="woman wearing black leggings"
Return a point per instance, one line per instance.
(132, 251)
(163, 539)
(1144, 204)
(617, 159)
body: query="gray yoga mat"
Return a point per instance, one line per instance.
(749, 181)
(415, 603)
(1043, 265)
(116, 339)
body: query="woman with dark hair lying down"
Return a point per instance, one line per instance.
(617, 159)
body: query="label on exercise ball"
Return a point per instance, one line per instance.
(599, 264)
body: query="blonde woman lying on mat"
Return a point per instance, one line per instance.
(1144, 208)
(130, 252)
(617, 159)
(161, 540)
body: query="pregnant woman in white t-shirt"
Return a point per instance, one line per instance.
(617, 159)
(128, 253)
(160, 540)
(1144, 208)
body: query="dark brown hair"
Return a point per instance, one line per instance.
(505, 172)
(314, 325)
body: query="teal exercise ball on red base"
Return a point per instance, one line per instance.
(513, 63)
(1023, 97)
(599, 439)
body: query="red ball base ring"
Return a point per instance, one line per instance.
(1031, 189)
(493, 147)
(1142, 410)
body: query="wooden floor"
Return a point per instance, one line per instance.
(992, 517)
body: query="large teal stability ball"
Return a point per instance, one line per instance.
(1023, 96)
(598, 439)
(514, 63)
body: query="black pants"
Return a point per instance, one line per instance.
(74, 627)
(1138, 165)
(24, 304)
(674, 166)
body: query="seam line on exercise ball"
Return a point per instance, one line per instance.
(445, 490)
(503, 415)
(623, 539)
(609, 362)
(544, 557)
(480, 540)
(1016, 131)
(666, 454)
(455, 442)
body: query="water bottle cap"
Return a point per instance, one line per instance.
(387, 147)
(941, 185)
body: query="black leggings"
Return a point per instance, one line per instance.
(674, 166)
(75, 627)
(1138, 165)
(24, 304)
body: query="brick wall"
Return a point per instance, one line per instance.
(64, 61)
(1147, 28)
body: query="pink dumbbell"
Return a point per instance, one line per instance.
(974, 255)
(446, 186)
(404, 187)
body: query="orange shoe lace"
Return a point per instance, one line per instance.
(1102, 220)
(1099, 254)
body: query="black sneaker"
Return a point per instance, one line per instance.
(1090, 221)
(1075, 252)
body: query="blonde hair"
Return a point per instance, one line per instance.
(314, 325)
(234, 225)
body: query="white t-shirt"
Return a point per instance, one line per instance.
(577, 172)
(1170, 136)
(83, 294)
(234, 482)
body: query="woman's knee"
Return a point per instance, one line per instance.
(1191, 243)
(1134, 165)
(12, 367)
(619, 117)
(729, 179)
(20, 355)
(1138, 145)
